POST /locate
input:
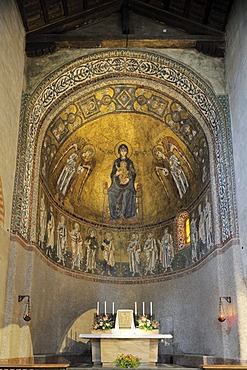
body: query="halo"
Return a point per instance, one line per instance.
(130, 149)
(157, 147)
(136, 233)
(90, 229)
(89, 146)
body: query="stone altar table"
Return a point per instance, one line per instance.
(107, 346)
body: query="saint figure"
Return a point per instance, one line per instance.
(91, 244)
(134, 252)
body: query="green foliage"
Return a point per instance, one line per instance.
(104, 323)
(146, 324)
(127, 361)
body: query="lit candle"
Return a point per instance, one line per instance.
(105, 307)
(135, 308)
(151, 309)
(143, 308)
(113, 308)
(97, 309)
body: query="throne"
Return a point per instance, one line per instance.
(106, 217)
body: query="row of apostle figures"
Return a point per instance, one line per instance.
(69, 247)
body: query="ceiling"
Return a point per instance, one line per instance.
(52, 24)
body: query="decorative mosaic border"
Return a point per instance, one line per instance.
(123, 63)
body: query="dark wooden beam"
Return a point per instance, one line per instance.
(172, 20)
(65, 8)
(200, 42)
(208, 9)
(230, 5)
(125, 17)
(61, 37)
(71, 22)
(214, 49)
(166, 4)
(187, 8)
(44, 11)
(23, 15)
(85, 4)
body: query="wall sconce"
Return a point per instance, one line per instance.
(222, 315)
(26, 314)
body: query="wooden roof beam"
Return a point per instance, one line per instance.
(70, 22)
(171, 19)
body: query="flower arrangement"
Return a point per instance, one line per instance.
(103, 323)
(144, 323)
(127, 361)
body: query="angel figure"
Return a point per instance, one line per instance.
(87, 163)
(171, 164)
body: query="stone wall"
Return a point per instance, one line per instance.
(12, 60)
(236, 64)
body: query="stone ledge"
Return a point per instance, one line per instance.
(193, 360)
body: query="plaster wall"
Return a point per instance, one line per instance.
(12, 61)
(15, 331)
(210, 69)
(236, 64)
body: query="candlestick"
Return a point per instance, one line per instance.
(151, 309)
(135, 308)
(113, 308)
(97, 309)
(105, 307)
(143, 308)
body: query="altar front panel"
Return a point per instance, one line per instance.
(145, 348)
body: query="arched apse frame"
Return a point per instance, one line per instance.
(97, 67)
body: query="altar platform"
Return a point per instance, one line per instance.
(158, 367)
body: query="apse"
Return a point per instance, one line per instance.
(124, 177)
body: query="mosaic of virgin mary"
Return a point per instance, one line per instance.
(122, 193)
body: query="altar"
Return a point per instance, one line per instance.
(125, 338)
(106, 347)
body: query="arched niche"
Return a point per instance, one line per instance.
(81, 104)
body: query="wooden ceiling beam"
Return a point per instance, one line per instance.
(70, 22)
(60, 37)
(205, 43)
(215, 49)
(171, 19)
(125, 17)
(65, 8)
(45, 11)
